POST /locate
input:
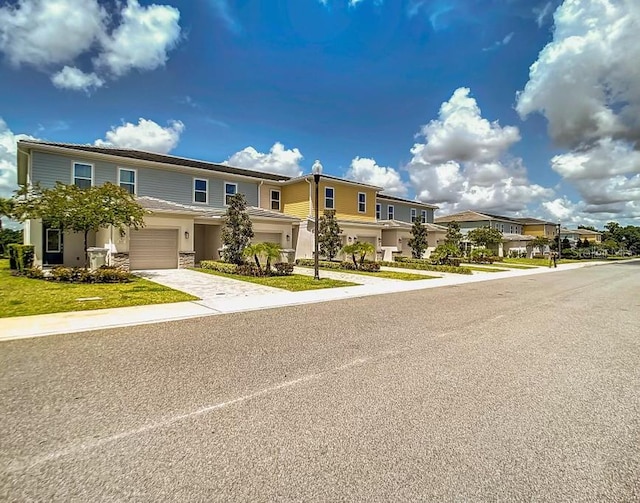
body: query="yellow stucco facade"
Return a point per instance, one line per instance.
(545, 230)
(298, 198)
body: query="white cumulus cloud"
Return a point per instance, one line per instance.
(367, 171)
(76, 80)
(142, 40)
(278, 160)
(586, 82)
(146, 135)
(60, 36)
(8, 153)
(463, 163)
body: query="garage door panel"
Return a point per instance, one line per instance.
(154, 249)
(267, 237)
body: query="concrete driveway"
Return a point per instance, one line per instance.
(205, 286)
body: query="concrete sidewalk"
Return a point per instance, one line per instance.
(80, 321)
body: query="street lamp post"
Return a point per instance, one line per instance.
(559, 242)
(316, 169)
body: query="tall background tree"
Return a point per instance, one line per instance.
(237, 231)
(329, 241)
(540, 242)
(485, 236)
(70, 208)
(418, 241)
(453, 236)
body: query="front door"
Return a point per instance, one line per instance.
(53, 254)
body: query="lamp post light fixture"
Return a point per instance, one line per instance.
(316, 169)
(559, 242)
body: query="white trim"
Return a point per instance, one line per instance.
(206, 192)
(135, 178)
(73, 171)
(363, 202)
(333, 199)
(271, 199)
(224, 191)
(391, 212)
(413, 215)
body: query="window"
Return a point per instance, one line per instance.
(275, 200)
(200, 190)
(362, 202)
(413, 215)
(390, 212)
(501, 227)
(127, 179)
(423, 216)
(378, 211)
(511, 229)
(82, 175)
(54, 241)
(230, 189)
(329, 198)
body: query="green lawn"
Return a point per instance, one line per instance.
(293, 283)
(20, 296)
(541, 262)
(511, 266)
(482, 269)
(403, 276)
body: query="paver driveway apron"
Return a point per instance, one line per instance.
(205, 286)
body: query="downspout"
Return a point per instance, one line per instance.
(259, 191)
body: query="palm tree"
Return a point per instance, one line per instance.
(359, 249)
(256, 250)
(272, 251)
(352, 250)
(365, 249)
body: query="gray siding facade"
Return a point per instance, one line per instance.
(164, 184)
(402, 211)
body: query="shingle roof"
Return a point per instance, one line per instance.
(473, 216)
(406, 225)
(404, 200)
(161, 158)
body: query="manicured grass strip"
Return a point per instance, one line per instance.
(20, 296)
(293, 283)
(510, 266)
(403, 276)
(483, 269)
(540, 262)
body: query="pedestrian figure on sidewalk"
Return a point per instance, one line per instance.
(554, 258)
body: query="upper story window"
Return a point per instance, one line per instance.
(127, 179)
(501, 227)
(378, 211)
(390, 212)
(200, 190)
(230, 189)
(423, 216)
(329, 198)
(82, 175)
(362, 202)
(511, 229)
(275, 200)
(413, 214)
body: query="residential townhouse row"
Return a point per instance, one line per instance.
(187, 201)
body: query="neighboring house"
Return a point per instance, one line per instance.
(514, 240)
(353, 203)
(574, 234)
(186, 198)
(397, 215)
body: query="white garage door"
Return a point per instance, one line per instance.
(154, 249)
(267, 237)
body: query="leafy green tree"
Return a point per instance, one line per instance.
(70, 208)
(540, 242)
(566, 244)
(485, 236)
(329, 240)
(418, 241)
(585, 243)
(237, 230)
(611, 245)
(6, 209)
(453, 236)
(272, 252)
(7, 237)
(443, 253)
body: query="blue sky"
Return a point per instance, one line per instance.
(431, 99)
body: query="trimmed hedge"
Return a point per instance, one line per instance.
(424, 265)
(452, 262)
(247, 269)
(105, 274)
(348, 265)
(21, 257)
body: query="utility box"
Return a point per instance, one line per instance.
(97, 257)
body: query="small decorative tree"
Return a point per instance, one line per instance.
(540, 242)
(418, 241)
(453, 236)
(485, 236)
(329, 234)
(256, 251)
(237, 231)
(358, 252)
(70, 208)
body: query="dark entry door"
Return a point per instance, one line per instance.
(53, 246)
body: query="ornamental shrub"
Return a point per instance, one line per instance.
(21, 257)
(283, 268)
(214, 265)
(424, 265)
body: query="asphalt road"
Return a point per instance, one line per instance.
(511, 390)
